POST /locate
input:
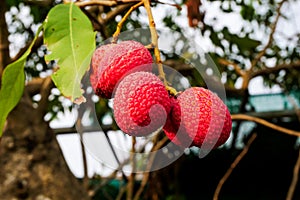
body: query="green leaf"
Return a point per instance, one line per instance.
(69, 36)
(248, 12)
(11, 3)
(245, 44)
(12, 85)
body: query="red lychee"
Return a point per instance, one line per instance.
(111, 62)
(198, 118)
(141, 104)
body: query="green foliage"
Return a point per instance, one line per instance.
(169, 22)
(36, 64)
(70, 38)
(39, 12)
(13, 2)
(246, 45)
(175, 197)
(12, 86)
(247, 12)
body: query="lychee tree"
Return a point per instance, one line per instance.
(64, 44)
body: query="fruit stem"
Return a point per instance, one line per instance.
(172, 91)
(121, 23)
(154, 40)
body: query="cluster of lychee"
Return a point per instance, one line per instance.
(142, 103)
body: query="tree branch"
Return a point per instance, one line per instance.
(131, 181)
(43, 3)
(265, 123)
(114, 173)
(233, 166)
(83, 153)
(121, 23)
(96, 3)
(33, 87)
(270, 39)
(276, 68)
(113, 13)
(293, 184)
(294, 180)
(97, 24)
(45, 91)
(236, 67)
(103, 2)
(146, 175)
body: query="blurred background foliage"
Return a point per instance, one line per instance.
(260, 47)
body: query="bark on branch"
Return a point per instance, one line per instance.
(265, 123)
(276, 68)
(104, 3)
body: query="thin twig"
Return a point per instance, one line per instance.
(146, 175)
(270, 39)
(114, 173)
(106, 181)
(233, 165)
(83, 153)
(114, 153)
(113, 13)
(250, 72)
(293, 185)
(294, 182)
(121, 192)
(85, 165)
(265, 123)
(130, 184)
(45, 91)
(169, 4)
(98, 23)
(126, 161)
(124, 18)
(103, 3)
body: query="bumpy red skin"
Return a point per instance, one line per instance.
(141, 104)
(199, 118)
(111, 62)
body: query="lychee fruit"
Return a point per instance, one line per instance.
(141, 104)
(198, 118)
(111, 62)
